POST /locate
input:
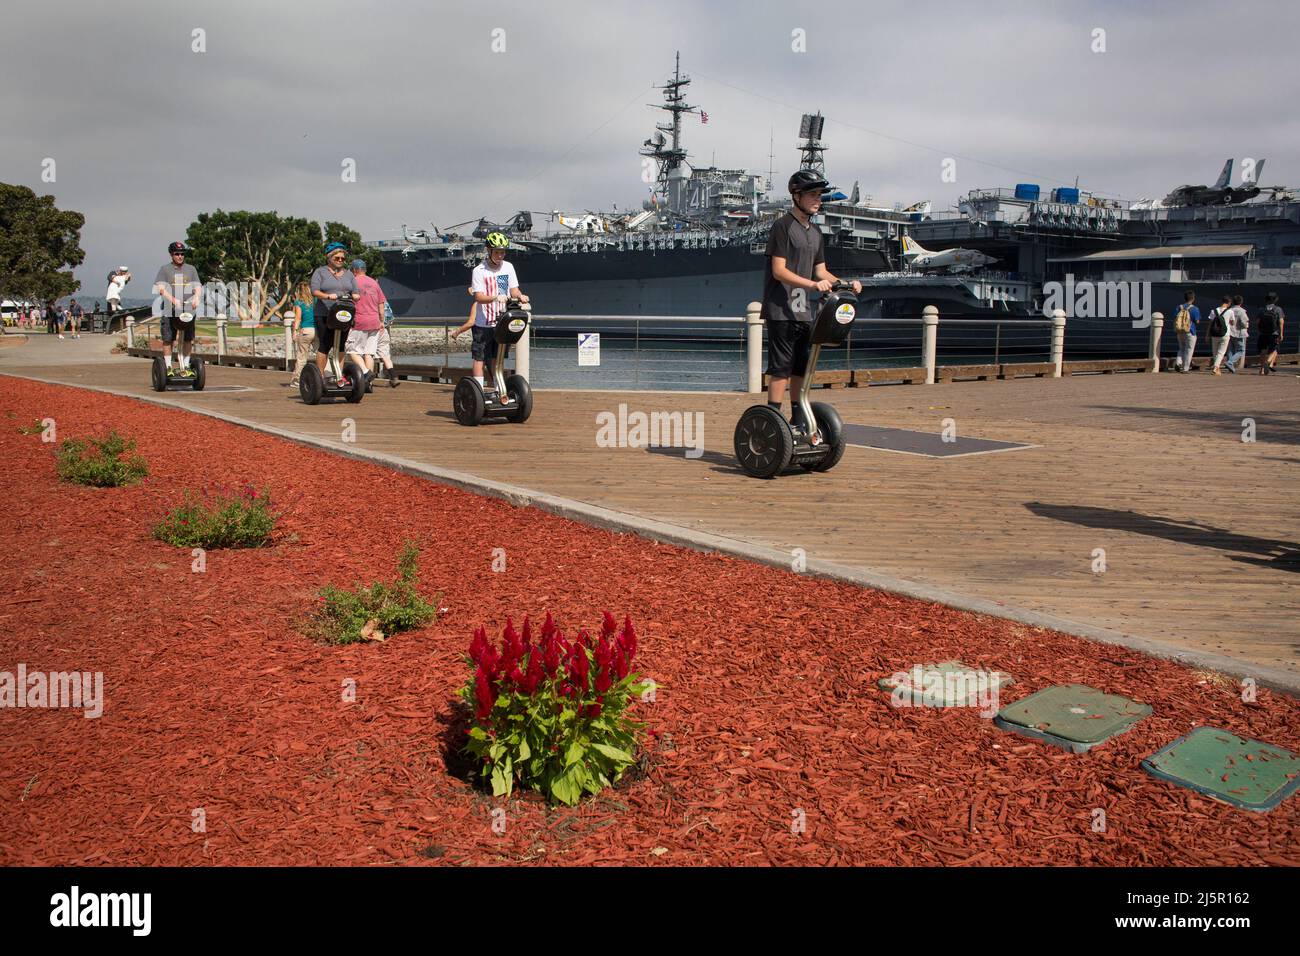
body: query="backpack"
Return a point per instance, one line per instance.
(1266, 320)
(1218, 324)
(1183, 320)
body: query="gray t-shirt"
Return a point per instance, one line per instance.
(322, 280)
(182, 282)
(802, 249)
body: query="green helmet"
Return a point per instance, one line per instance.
(497, 240)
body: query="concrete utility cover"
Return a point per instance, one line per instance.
(1074, 716)
(930, 444)
(1246, 773)
(945, 684)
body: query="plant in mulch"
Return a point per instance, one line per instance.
(106, 462)
(222, 520)
(553, 715)
(372, 613)
(35, 428)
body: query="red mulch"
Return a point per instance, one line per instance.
(766, 690)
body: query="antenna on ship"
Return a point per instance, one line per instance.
(811, 149)
(670, 157)
(771, 155)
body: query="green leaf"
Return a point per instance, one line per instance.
(501, 781)
(524, 750)
(613, 753)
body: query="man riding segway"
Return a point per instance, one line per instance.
(177, 283)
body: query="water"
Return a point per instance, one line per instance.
(720, 365)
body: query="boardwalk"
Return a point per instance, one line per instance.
(1199, 531)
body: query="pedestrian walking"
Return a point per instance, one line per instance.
(1218, 323)
(1185, 323)
(1239, 329)
(1269, 322)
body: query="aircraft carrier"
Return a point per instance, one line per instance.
(695, 247)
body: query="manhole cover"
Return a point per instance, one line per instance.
(1073, 716)
(1246, 773)
(943, 684)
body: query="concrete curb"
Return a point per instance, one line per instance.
(596, 516)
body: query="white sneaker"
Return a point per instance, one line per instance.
(60, 335)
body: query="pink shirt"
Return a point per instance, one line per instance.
(370, 302)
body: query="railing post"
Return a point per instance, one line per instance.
(522, 363)
(289, 350)
(130, 331)
(929, 337)
(1157, 328)
(221, 339)
(1058, 341)
(754, 345)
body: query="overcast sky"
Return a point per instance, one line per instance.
(146, 134)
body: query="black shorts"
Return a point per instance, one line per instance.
(1267, 344)
(788, 345)
(485, 345)
(325, 339)
(169, 330)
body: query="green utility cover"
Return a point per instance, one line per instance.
(945, 684)
(1073, 716)
(1246, 773)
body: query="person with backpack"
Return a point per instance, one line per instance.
(1239, 330)
(1219, 334)
(1269, 321)
(1185, 322)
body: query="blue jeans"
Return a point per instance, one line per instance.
(1236, 349)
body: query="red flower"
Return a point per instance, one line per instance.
(478, 645)
(483, 695)
(608, 626)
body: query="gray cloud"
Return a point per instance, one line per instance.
(147, 134)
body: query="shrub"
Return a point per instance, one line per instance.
(224, 521)
(371, 613)
(100, 462)
(553, 715)
(35, 428)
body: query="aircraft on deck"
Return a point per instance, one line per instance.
(916, 258)
(1220, 193)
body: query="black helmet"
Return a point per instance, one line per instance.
(807, 179)
(176, 247)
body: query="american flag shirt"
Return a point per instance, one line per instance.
(493, 282)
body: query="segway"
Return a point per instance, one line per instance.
(164, 375)
(510, 396)
(766, 444)
(312, 385)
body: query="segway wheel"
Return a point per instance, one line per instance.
(200, 374)
(467, 401)
(764, 442)
(311, 385)
(521, 393)
(357, 376)
(831, 426)
(159, 374)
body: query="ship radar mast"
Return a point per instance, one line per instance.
(669, 155)
(811, 149)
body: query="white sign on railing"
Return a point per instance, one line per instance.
(588, 348)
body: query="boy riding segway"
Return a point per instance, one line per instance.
(500, 317)
(796, 269)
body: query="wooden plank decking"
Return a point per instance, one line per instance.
(1201, 531)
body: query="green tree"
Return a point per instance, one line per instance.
(39, 246)
(269, 252)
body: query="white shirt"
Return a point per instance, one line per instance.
(1238, 322)
(493, 282)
